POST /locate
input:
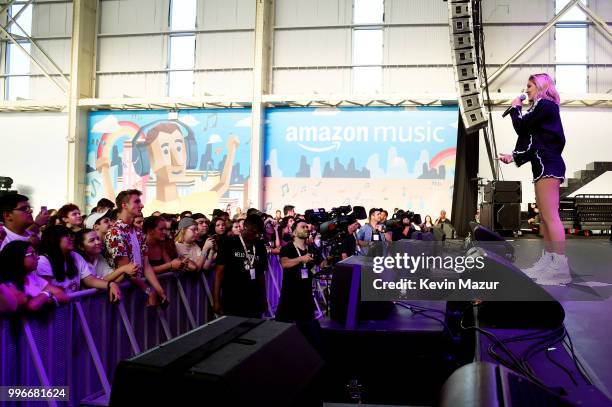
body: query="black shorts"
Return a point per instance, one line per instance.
(547, 165)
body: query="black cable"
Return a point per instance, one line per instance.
(560, 366)
(516, 364)
(423, 313)
(577, 362)
(541, 346)
(421, 307)
(558, 335)
(544, 335)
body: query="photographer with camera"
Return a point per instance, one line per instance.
(296, 303)
(349, 243)
(406, 229)
(371, 232)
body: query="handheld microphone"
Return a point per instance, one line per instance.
(508, 110)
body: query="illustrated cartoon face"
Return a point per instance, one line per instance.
(168, 156)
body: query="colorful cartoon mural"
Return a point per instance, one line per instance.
(189, 160)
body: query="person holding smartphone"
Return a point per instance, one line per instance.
(16, 214)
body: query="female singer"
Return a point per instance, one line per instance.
(540, 142)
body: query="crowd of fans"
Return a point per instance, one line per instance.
(45, 258)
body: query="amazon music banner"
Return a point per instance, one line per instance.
(194, 160)
(376, 157)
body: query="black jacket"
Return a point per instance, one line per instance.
(539, 130)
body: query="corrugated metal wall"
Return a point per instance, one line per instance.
(312, 49)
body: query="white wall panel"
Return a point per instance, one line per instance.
(225, 50)
(513, 80)
(304, 13)
(132, 53)
(324, 81)
(517, 11)
(415, 12)
(36, 156)
(141, 85)
(222, 83)
(52, 19)
(58, 50)
(418, 80)
(312, 47)
(416, 45)
(603, 8)
(503, 42)
(132, 16)
(600, 52)
(42, 88)
(225, 14)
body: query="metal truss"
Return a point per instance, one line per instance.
(15, 39)
(597, 21)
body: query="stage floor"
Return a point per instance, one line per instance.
(587, 300)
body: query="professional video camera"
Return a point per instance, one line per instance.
(397, 220)
(332, 223)
(5, 186)
(333, 226)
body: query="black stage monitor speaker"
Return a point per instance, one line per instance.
(493, 241)
(501, 216)
(230, 361)
(503, 192)
(345, 296)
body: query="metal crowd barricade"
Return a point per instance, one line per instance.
(79, 344)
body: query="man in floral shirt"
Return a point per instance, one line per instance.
(126, 244)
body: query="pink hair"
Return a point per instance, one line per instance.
(545, 87)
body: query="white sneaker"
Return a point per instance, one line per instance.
(557, 272)
(539, 266)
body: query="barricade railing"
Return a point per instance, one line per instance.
(79, 344)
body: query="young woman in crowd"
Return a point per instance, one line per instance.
(236, 228)
(427, 225)
(61, 266)
(154, 228)
(271, 235)
(89, 247)
(19, 262)
(219, 231)
(285, 233)
(218, 227)
(69, 215)
(187, 248)
(171, 230)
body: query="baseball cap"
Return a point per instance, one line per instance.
(95, 218)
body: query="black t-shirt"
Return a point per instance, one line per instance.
(240, 294)
(296, 302)
(349, 245)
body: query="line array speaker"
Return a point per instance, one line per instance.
(463, 53)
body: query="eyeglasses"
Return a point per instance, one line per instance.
(26, 208)
(31, 255)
